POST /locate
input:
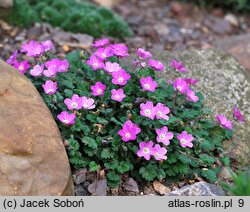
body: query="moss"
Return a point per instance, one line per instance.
(70, 15)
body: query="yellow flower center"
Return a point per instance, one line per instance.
(146, 150)
(183, 141)
(74, 104)
(162, 136)
(127, 135)
(147, 86)
(120, 79)
(99, 90)
(21, 67)
(117, 96)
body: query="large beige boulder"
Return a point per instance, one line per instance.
(33, 160)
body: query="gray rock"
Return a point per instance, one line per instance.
(131, 185)
(98, 188)
(198, 189)
(238, 46)
(6, 3)
(223, 82)
(79, 176)
(80, 190)
(217, 25)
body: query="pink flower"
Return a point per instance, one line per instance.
(159, 152)
(88, 103)
(185, 139)
(50, 87)
(119, 50)
(148, 110)
(62, 65)
(95, 63)
(54, 66)
(161, 111)
(12, 59)
(112, 67)
(101, 43)
(129, 131)
(98, 89)
(238, 115)
(224, 122)
(103, 53)
(181, 85)
(146, 150)
(33, 49)
(47, 45)
(148, 84)
(22, 66)
(156, 65)
(163, 136)
(117, 95)
(75, 103)
(190, 81)
(51, 70)
(120, 77)
(37, 70)
(191, 96)
(143, 54)
(178, 66)
(67, 118)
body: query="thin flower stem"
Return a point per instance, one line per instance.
(181, 103)
(175, 99)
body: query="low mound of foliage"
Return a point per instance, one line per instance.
(128, 121)
(71, 16)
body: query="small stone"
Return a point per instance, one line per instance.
(225, 174)
(232, 19)
(108, 3)
(72, 40)
(81, 191)
(114, 191)
(6, 3)
(79, 176)
(98, 188)
(160, 188)
(198, 189)
(148, 190)
(217, 25)
(131, 185)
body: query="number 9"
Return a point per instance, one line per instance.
(241, 203)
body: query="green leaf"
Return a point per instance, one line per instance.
(149, 172)
(90, 142)
(101, 120)
(91, 118)
(106, 153)
(112, 176)
(184, 159)
(124, 166)
(93, 166)
(207, 159)
(207, 145)
(209, 174)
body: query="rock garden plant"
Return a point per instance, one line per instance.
(82, 17)
(118, 121)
